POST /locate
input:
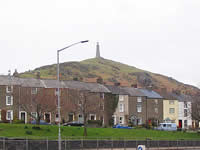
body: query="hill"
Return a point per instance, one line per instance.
(111, 72)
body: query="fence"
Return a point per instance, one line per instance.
(69, 143)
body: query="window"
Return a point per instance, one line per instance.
(34, 115)
(139, 99)
(9, 100)
(171, 102)
(185, 105)
(185, 113)
(9, 89)
(121, 120)
(171, 110)
(34, 91)
(139, 121)
(169, 125)
(156, 101)
(101, 106)
(156, 110)
(185, 123)
(102, 95)
(139, 108)
(92, 117)
(121, 98)
(9, 115)
(121, 107)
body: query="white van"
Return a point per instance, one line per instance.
(167, 127)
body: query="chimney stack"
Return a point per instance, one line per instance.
(100, 80)
(38, 75)
(117, 83)
(134, 85)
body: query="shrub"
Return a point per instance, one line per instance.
(97, 122)
(29, 132)
(36, 128)
(17, 121)
(48, 130)
(25, 127)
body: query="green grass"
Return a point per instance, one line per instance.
(51, 132)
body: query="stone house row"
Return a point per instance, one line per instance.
(24, 99)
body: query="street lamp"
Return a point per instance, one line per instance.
(58, 90)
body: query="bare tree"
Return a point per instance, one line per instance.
(196, 109)
(40, 101)
(85, 103)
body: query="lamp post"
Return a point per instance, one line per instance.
(58, 90)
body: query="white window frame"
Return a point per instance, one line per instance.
(156, 101)
(171, 102)
(139, 99)
(140, 121)
(93, 115)
(139, 108)
(185, 105)
(101, 105)
(170, 110)
(185, 113)
(25, 116)
(7, 89)
(121, 107)
(11, 100)
(121, 97)
(102, 95)
(11, 113)
(34, 90)
(121, 120)
(156, 110)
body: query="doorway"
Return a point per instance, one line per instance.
(22, 116)
(47, 117)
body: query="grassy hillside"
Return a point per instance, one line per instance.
(89, 70)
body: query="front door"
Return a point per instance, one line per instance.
(80, 118)
(180, 124)
(47, 117)
(71, 117)
(23, 115)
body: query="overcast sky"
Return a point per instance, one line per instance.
(160, 36)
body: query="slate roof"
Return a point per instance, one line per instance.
(116, 90)
(150, 94)
(6, 80)
(30, 82)
(182, 97)
(133, 91)
(93, 87)
(168, 96)
(53, 84)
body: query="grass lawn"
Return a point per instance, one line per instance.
(51, 131)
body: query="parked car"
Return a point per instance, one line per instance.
(167, 127)
(122, 127)
(74, 123)
(42, 122)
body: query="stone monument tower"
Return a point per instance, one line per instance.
(98, 51)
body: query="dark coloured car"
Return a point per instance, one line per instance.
(74, 123)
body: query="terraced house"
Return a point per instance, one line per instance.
(140, 106)
(27, 99)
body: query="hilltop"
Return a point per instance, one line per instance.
(111, 72)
